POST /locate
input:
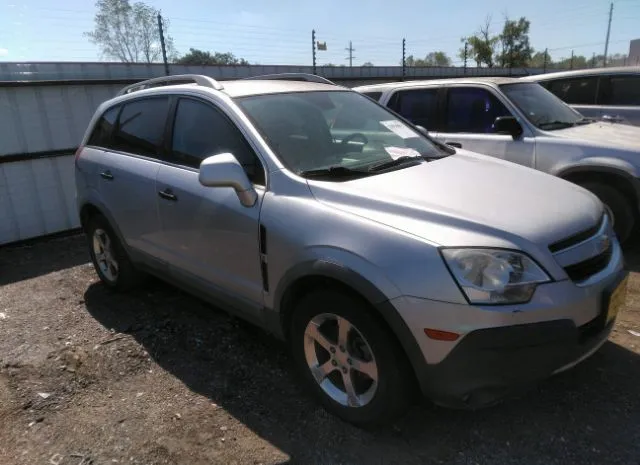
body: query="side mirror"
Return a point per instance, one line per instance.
(422, 129)
(508, 125)
(224, 170)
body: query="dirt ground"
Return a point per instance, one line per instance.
(88, 376)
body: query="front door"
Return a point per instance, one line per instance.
(468, 123)
(208, 237)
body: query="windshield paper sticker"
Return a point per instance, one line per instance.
(399, 129)
(397, 152)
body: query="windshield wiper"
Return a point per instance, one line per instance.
(395, 162)
(556, 124)
(336, 171)
(585, 121)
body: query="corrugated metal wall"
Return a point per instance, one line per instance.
(36, 198)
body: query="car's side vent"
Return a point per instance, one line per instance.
(264, 269)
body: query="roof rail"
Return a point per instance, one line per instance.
(199, 79)
(294, 77)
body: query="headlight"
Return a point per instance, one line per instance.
(492, 276)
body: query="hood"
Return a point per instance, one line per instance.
(468, 200)
(602, 134)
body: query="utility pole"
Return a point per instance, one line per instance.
(593, 60)
(606, 43)
(313, 49)
(351, 57)
(571, 62)
(404, 59)
(162, 44)
(466, 44)
(544, 66)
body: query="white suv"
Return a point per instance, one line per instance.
(524, 123)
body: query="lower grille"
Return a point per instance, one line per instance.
(584, 270)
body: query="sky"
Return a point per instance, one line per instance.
(279, 31)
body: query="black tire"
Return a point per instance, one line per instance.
(624, 215)
(396, 387)
(127, 277)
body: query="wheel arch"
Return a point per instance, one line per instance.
(621, 179)
(91, 208)
(313, 275)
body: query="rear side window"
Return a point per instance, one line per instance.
(579, 91)
(473, 110)
(103, 129)
(419, 106)
(141, 126)
(621, 90)
(374, 95)
(200, 131)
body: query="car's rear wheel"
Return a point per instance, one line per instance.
(109, 257)
(349, 359)
(618, 207)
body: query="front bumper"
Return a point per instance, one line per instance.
(506, 348)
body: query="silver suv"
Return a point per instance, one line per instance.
(388, 261)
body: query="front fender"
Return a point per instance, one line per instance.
(343, 266)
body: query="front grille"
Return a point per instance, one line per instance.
(576, 238)
(584, 270)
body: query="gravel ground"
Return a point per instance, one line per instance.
(88, 376)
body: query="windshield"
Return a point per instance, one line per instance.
(541, 107)
(341, 132)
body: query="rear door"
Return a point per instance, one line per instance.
(128, 176)
(619, 98)
(469, 116)
(209, 239)
(579, 92)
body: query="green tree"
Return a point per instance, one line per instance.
(579, 62)
(481, 45)
(516, 50)
(200, 57)
(129, 32)
(367, 64)
(432, 59)
(437, 59)
(538, 60)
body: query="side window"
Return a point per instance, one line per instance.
(374, 95)
(201, 131)
(579, 91)
(621, 90)
(419, 106)
(102, 131)
(473, 110)
(141, 126)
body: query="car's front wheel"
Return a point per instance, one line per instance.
(349, 359)
(619, 209)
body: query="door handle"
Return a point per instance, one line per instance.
(454, 144)
(107, 175)
(168, 194)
